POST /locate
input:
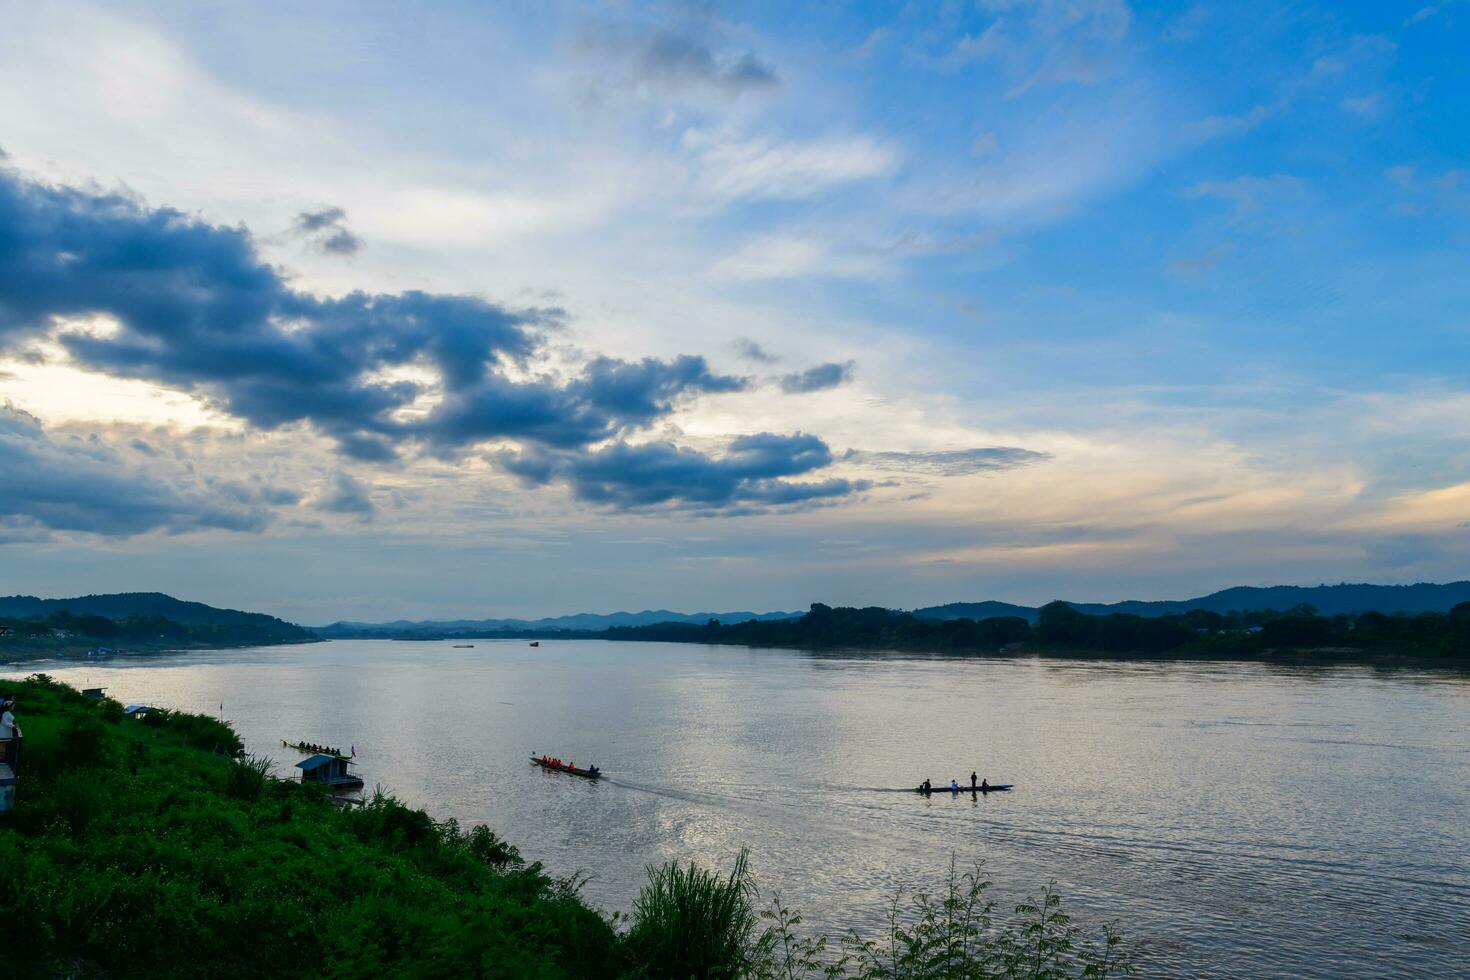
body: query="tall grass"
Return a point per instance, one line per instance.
(246, 778)
(693, 924)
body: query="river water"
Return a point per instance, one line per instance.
(1237, 820)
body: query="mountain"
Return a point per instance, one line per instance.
(576, 621)
(1329, 600)
(989, 609)
(124, 604)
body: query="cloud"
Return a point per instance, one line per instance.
(1426, 12)
(84, 485)
(1247, 194)
(784, 256)
(751, 351)
(672, 63)
(953, 462)
(346, 495)
(609, 398)
(751, 474)
(327, 230)
(1368, 106)
(741, 167)
(192, 306)
(1046, 42)
(1355, 59)
(818, 378)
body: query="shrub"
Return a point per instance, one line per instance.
(247, 777)
(691, 924)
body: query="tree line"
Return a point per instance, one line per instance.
(1062, 628)
(150, 630)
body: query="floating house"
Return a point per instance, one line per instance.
(328, 770)
(136, 711)
(96, 693)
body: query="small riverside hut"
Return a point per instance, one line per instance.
(136, 711)
(327, 770)
(94, 692)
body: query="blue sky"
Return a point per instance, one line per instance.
(357, 310)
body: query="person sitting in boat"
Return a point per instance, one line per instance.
(984, 784)
(954, 785)
(926, 787)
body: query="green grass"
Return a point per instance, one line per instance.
(157, 848)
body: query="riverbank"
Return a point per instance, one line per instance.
(25, 652)
(154, 846)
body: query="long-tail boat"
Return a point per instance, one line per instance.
(309, 750)
(589, 773)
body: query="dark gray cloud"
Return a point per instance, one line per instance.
(753, 352)
(195, 308)
(675, 62)
(817, 378)
(346, 495)
(199, 310)
(78, 484)
(751, 474)
(327, 229)
(955, 462)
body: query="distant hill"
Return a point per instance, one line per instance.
(990, 609)
(1329, 600)
(121, 605)
(576, 621)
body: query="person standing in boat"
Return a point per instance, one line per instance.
(9, 731)
(973, 785)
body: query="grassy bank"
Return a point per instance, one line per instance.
(155, 848)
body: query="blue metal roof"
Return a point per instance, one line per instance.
(315, 762)
(136, 707)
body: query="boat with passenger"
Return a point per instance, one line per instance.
(570, 768)
(311, 748)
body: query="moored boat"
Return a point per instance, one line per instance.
(319, 750)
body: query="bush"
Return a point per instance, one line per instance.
(691, 924)
(247, 777)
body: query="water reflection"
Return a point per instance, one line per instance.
(1237, 819)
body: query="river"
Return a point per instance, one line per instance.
(1234, 819)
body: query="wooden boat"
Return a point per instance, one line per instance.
(591, 773)
(992, 788)
(535, 643)
(302, 747)
(464, 646)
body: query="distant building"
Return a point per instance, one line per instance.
(97, 693)
(136, 711)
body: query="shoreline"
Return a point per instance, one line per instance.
(77, 653)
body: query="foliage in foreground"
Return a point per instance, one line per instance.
(692, 923)
(158, 848)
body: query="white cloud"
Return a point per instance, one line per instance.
(731, 167)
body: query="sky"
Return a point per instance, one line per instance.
(373, 311)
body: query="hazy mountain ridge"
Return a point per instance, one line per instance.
(1329, 600)
(574, 621)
